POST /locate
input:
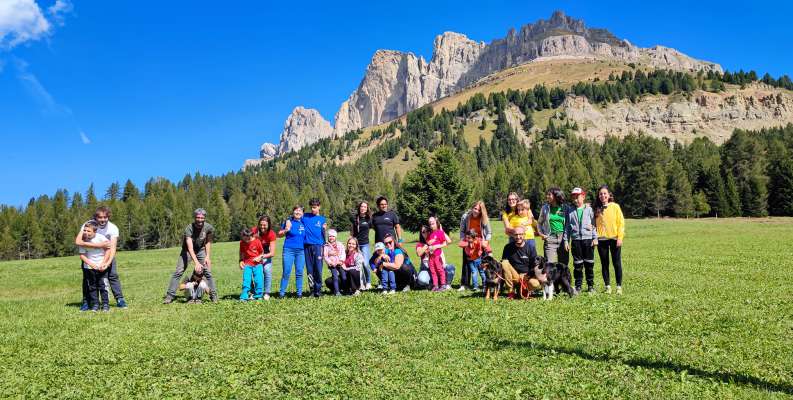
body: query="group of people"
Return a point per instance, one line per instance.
(576, 227)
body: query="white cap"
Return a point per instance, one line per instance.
(577, 191)
(332, 232)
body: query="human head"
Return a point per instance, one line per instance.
(524, 206)
(382, 203)
(471, 234)
(89, 229)
(389, 242)
(264, 224)
(363, 208)
(577, 195)
(604, 195)
(102, 215)
(314, 204)
(199, 216)
(512, 202)
(352, 245)
(424, 231)
(379, 246)
(433, 223)
(246, 235)
(297, 212)
(478, 210)
(519, 234)
(332, 235)
(555, 196)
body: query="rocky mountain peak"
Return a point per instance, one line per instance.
(303, 126)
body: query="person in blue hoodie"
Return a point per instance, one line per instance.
(293, 253)
(316, 225)
(580, 237)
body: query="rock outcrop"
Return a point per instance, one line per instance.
(397, 82)
(714, 115)
(304, 126)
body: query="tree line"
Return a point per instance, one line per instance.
(749, 175)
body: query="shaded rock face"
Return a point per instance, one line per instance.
(397, 82)
(304, 126)
(714, 115)
(268, 151)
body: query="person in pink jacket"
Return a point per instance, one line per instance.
(334, 255)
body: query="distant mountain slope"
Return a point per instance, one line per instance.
(397, 82)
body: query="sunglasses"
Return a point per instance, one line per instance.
(389, 242)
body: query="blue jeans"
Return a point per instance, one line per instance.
(476, 272)
(314, 266)
(364, 249)
(267, 270)
(388, 279)
(338, 273)
(298, 258)
(251, 272)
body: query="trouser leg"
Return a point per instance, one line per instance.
(603, 254)
(267, 272)
(578, 263)
(247, 277)
(86, 276)
(616, 257)
(103, 287)
(115, 282)
(181, 264)
(354, 278)
(465, 274)
(588, 254)
(93, 288)
(335, 279)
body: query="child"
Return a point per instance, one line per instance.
(95, 263)
(353, 265)
(251, 255)
(437, 240)
(472, 246)
(387, 277)
(580, 236)
(194, 288)
(333, 253)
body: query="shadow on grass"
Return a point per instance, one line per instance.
(725, 377)
(74, 304)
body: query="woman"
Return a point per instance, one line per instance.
(361, 222)
(264, 233)
(354, 263)
(295, 233)
(551, 224)
(476, 219)
(510, 210)
(610, 230)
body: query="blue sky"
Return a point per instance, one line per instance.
(102, 91)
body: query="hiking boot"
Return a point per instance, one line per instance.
(608, 289)
(619, 290)
(167, 300)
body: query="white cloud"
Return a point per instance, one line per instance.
(22, 21)
(37, 91)
(58, 10)
(84, 138)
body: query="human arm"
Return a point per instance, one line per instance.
(398, 230)
(85, 260)
(397, 264)
(285, 228)
(189, 244)
(620, 220)
(507, 228)
(207, 259)
(78, 241)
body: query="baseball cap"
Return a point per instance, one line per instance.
(577, 191)
(379, 246)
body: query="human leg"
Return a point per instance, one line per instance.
(258, 281)
(334, 271)
(300, 264)
(181, 264)
(616, 257)
(247, 277)
(603, 254)
(115, 282)
(267, 271)
(288, 259)
(578, 263)
(474, 266)
(588, 255)
(365, 272)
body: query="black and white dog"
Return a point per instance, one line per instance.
(556, 275)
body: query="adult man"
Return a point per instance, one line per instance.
(517, 260)
(110, 231)
(196, 247)
(316, 225)
(385, 222)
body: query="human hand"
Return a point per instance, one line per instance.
(567, 246)
(594, 243)
(106, 245)
(198, 267)
(242, 264)
(619, 242)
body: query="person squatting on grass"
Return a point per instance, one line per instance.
(266, 235)
(96, 261)
(473, 250)
(110, 231)
(360, 224)
(194, 288)
(474, 219)
(580, 236)
(334, 255)
(516, 260)
(315, 225)
(437, 240)
(350, 270)
(196, 247)
(251, 256)
(293, 251)
(610, 231)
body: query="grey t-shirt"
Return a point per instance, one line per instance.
(200, 237)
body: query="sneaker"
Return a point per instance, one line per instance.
(357, 293)
(608, 289)
(191, 301)
(197, 301)
(84, 307)
(461, 288)
(406, 289)
(590, 290)
(577, 291)
(266, 297)
(435, 289)
(475, 289)
(511, 296)
(250, 296)
(446, 287)
(619, 290)
(384, 292)
(167, 300)
(380, 287)
(121, 303)
(369, 286)
(106, 308)
(94, 309)
(337, 294)
(392, 291)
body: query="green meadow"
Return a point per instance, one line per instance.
(707, 313)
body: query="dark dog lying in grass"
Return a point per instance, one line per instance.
(557, 275)
(494, 276)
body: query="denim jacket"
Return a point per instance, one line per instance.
(580, 230)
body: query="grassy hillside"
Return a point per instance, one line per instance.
(707, 312)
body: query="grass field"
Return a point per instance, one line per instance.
(707, 312)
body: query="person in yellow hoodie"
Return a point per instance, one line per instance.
(610, 225)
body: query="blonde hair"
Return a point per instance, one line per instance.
(354, 239)
(482, 212)
(526, 204)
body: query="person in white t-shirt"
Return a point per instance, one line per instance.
(96, 261)
(110, 231)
